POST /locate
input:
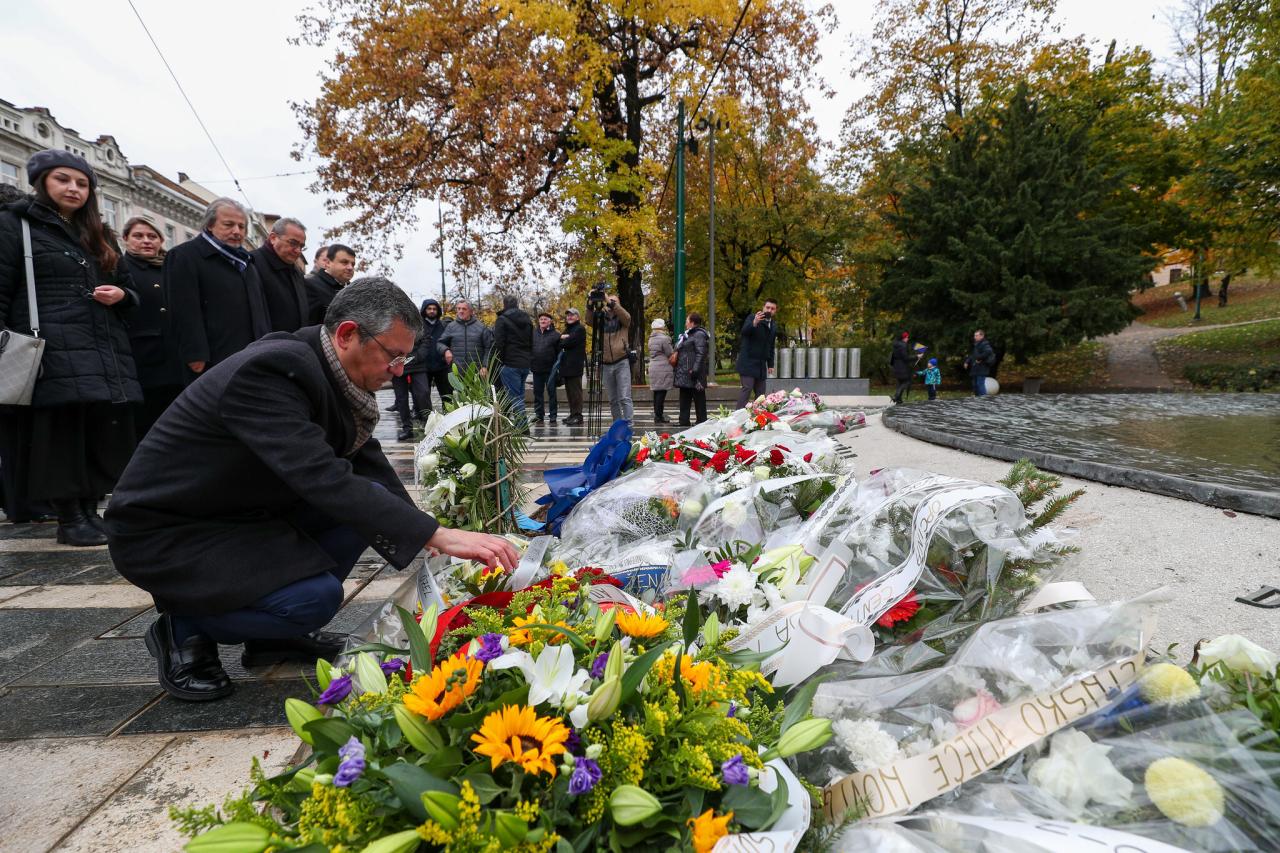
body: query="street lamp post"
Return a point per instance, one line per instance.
(444, 296)
(678, 309)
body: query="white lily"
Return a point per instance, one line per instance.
(552, 677)
(1238, 653)
(466, 472)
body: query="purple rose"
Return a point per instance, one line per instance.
(392, 666)
(337, 690)
(734, 771)
(352, 755)
(586, 775)
(490, 647)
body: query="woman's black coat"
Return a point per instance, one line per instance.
(693, 352)
(901, 364)
(201, 517)
(87, 358)
(150, 333)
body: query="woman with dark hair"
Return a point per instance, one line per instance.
(81, 418)
(150, 333)
(693, 358)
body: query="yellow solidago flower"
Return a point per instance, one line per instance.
(1167, 684)
(642, 626)
(519, 735)
(1185, 793)
(708, 829)
(445, 687)
(559, 569)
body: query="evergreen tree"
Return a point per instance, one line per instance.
(1017, 230)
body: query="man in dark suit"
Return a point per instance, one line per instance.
(324, 284)
(213, 290)
(755, 356)
(247, 505)
(282, 282)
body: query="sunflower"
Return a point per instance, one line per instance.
(708, 829)
(641, 625)
(519, 735)
(698, 675)
(520, 635)
(445, 687)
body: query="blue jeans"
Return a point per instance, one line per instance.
(294, 609)
(979, 386)
(513, 383)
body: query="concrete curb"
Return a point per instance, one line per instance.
(1209, 494)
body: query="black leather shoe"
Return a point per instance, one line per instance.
(191, 671)
(90, 507)
(390, 408)
(304, 649)
(75, 528)
(404, 435)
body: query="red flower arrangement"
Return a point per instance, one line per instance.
(903, 611)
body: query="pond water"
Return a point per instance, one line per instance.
(1226, 440)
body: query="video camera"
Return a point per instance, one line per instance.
(596, 297)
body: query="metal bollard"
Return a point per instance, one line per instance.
(842, 363)
(798, 362)
(814, 368)
(783, 359)
(855, 362)
(828, 362)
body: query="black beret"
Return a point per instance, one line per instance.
(52, 158)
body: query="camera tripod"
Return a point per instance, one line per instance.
(595, 369)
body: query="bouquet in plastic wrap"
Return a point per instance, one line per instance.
(902, 741)
(802, 411)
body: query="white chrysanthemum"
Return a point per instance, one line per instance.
(1077, 770)
(742, 479)
(867, 745)
(736, 588)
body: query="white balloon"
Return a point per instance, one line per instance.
(993, 387)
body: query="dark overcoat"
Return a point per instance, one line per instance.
(284, 288)
(513, 338)
(150, 333)
(546, 348)
(574, 361)
(200, 518)
(693, 351)
(87, 357)
(755, 356)
(321, 288)
(217, 309)
(901, 363)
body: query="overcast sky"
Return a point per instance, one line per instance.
(91, 64)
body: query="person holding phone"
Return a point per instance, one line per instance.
(755, 356)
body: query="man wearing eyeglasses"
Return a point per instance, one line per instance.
(248, 503)
(282, 284)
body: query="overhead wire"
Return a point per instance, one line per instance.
(194, 111)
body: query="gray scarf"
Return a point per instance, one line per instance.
(364, 406)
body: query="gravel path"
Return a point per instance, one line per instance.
(1131, 356)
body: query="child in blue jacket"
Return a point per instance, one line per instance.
(932, 378)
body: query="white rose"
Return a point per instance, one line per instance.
(1238, 653)
(761, 472)
(691, 508)
(734, 513)
(466, 472)
(429, 462)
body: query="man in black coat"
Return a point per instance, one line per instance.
(513, 342)
(416, 380)
(979, 363)
(324, 284)
(248, 503)
(546, 348)
(902, 365)
(282, 282)
(213, 290)
(755, 355)
(573, 363)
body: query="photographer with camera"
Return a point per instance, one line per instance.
(603, 308)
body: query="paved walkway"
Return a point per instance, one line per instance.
(1131, 356)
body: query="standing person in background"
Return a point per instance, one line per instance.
(81, 431)
(932, 378)
(323, 285)
(902, 365)
(466, 341)
(319, 261)
(411, 384)
(573, 363)
(283, 285)
(546, 347)
(213, 290)
(616, 358)
(661, 370)
(513, 340)
(755, 355)
(693, 357)
(150, 332)
(435, 371)
(979, 363)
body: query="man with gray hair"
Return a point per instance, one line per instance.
(466, 340)
(248, 503)
(282, 282)
(213, 290)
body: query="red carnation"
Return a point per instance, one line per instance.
(775, 456)
(642, 455)
(702, 444)
(678, 456)
(743, 455)
(719, 460)
(906, 608)
(666, 457)
(665, 436)
(696, 464)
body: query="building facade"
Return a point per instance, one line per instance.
(124, 191)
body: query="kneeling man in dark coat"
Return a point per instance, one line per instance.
(250, 500)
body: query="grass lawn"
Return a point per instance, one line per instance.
(1081, 366)
(1249, 299)
(1222, 358)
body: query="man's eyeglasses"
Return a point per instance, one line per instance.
(394, 360)
(293, 244)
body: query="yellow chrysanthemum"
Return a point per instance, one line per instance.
(708, 829)
(445, 687)
(1185, 793)
(519, 735)
(1167, 684)
(519, 635)
(642, 626)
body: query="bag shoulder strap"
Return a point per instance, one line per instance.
(33, 312)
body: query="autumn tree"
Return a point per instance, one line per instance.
(536, 120)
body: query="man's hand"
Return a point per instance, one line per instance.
(483, 547)
(448, 356)
(759, 318)
(196, 366)
(484, 373)
(564, 337)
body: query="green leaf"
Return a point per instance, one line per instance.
(780, 797)
(444, 762)
(577, 642)
(410, 782)
(751, 807)
(382, 648)
(421, 735)
(231, 838)
(324, 673)
(746, 657)
(639, 669)
(799, 705)
(470, 720)
(508, 828)
(329, 734)
(401, 842)
(692, 618)
(486, 789)
(419, 645)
